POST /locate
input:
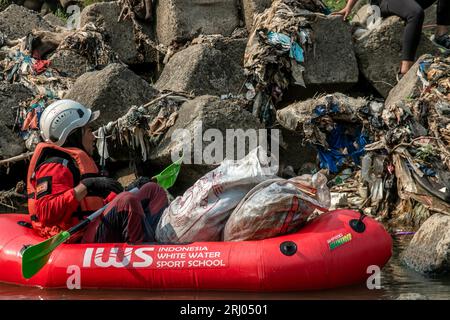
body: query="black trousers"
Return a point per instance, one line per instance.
(412, 11)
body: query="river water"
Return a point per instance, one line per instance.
(396, 280)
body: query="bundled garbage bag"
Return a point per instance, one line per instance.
(274, 56)
(201, 213)
(277, 207)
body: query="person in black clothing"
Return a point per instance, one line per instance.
(412, 11)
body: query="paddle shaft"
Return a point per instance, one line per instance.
(89, 219)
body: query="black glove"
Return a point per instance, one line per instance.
(138, 183)
(101, 186)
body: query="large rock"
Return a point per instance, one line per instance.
(379, 53)
(206, 68)
(112, 90)
(429, 250)
(10, 97)
(204, 112)
(17, 21)
(54, 20)
(185, 19)
(407, 88)
(252, 7)
(69, 62)
(121, 34)
(332, 59)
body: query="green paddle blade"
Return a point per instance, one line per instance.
(168, 176)
(35, 257)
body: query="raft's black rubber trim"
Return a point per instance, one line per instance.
(357, 225)
(25, 224)
(288, 248)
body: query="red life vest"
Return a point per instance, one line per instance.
(85, 166)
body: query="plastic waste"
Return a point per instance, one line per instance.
(297, 52)
(366, 167)
(286, 44)
(201, 212)
(280, 39)
(251, 92)
(345, 174)
(376, 190)
(273, 208)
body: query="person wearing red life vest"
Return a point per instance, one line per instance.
(64, 185)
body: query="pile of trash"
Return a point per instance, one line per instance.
(26, 62)
(136, 10)
(332, 125)
(392, 161)
(45, 83)
(275, 51)
(142, 127)
(90, 42)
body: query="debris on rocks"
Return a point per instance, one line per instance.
(282, 48)
(128, 37)
(143, 126)
(388, 157)
(112, 90)
(251, 8)
(393, 159)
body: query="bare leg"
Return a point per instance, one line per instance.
(148, 10)
(406, 65)
(441, 30)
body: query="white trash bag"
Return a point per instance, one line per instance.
(201, 213)
(277, 207)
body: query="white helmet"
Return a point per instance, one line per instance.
(63, 116)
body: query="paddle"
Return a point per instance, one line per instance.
(168, 176)
(34, 258)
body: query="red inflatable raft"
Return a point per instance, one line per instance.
(336, 249)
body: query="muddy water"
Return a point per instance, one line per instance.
(396, 280)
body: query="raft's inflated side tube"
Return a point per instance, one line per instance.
(333, 250)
